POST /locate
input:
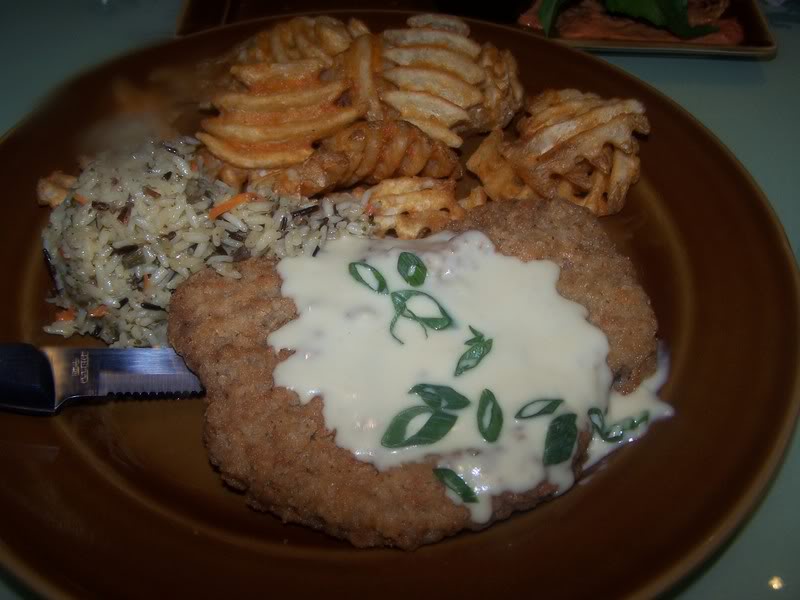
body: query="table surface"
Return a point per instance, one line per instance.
(750, 105)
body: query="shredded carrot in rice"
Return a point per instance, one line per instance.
(193, 165)
(146, 282)
(81, 199)
(230, 204)
(100, 311)
(66, 315)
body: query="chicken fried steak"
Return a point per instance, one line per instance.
(278, 451)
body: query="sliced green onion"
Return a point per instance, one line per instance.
(435, 428)
(379, 284)
(455, 483)
(440, 321)
(412, 269)
(538, 408)
(561, 435)
(479, 347)
(400, 302)
(490, 416)
(616, 431)
(439, 397)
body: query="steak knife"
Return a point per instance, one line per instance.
(40, 381)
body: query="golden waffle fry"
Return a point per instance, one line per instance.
(437, 21)
(364, 152)
(434, 65)
(215, 168)
(501, 90)
(266, 76)
(495, 171)
(477, 197)
(313, 123)
(411, 207)
(320, 38)
(435, 73)
(433, 37)
(437, 58)
(258, 156)
(357, 28)
(317, 94)
(541, 137)
(575, 146)
(437, 131)
(275, 121)
(421, 105)
(360, 64)
(438, 83)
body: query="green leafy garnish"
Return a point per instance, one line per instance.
(412, 269)
(440, 321)
(439, 397)
(455, 483)
(616, 431)
(538, 408)
(437, 321)
(548, 12)
(669, 14)
(476, 338)
(379, 283)
(437, 426)
(479, 347)
(560, 440)
(490, 416)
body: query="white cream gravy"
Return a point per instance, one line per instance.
(543, 347)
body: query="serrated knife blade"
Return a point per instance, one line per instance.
(42, 380)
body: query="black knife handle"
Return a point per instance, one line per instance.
(26, 380)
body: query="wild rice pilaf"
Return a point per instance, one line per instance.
(136, 225)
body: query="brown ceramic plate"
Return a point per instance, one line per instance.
(118, 500)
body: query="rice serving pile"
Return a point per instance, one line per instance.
(135, 225)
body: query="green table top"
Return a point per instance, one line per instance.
(750, 105)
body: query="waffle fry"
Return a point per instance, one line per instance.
(360, 63)
(412, 207)
(433, 37)
(320, 38)
(435, 73)
(285, 109)
(421, 105)
(501, 90)
(435, 82)
(477, 197)
(448, 84)
(437, 58)
(364, 152)
(266, 76)
(574, 146)
(496, 172)
(442, 22)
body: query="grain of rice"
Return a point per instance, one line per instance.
(235, 221)
(201, 249)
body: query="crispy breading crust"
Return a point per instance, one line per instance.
(279, 452)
